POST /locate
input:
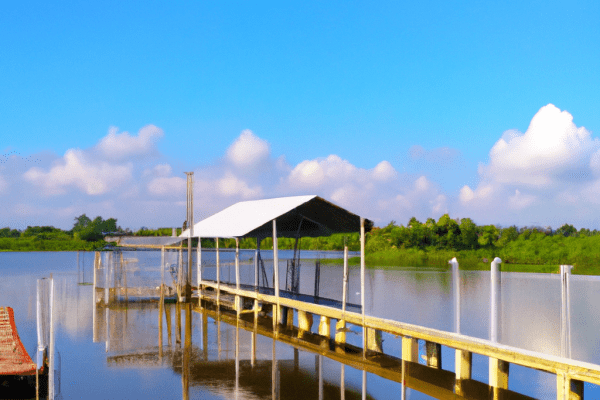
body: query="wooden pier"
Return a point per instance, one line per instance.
(570, 374)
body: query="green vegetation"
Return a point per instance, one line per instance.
(418, 245)
(86, 234)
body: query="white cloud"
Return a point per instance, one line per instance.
(230, 185)
(519, 200)
(121, 146)
(384, 171)
(77, 169)
(552, 150)
(173, 186)
(3, 184)
(248, 150)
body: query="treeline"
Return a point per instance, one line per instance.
(86, 234)
(433, 243)
(459, 234)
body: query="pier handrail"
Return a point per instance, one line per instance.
(578, 370)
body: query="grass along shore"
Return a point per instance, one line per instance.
(468, 260)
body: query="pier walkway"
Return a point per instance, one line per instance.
(14, 359)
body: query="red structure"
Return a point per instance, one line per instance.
(14, 359)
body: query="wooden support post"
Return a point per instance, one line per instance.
(410, 349)
(340, 332)
(567, 388)
(305, 321)
(434, 354)
(168, 318)
(325, 327)
(124, 272)
(374, 342)
(498, 373)
(463, 364)
(463, 367)
(290, 318)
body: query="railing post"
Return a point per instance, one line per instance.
(434, 354)
(565, 315)
(410, 349)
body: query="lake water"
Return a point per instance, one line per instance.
(117, 357)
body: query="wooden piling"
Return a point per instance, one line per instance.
(340, 332)
(567, 388)
(434, 354)
(410, 349)
(499, 373)
(325, 326)
(374, 341)
(305, 321)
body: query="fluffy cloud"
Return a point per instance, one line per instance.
(100, 169)
(123, 146)
(230, 185)
(553, 166)
(551, 151)
(248, 150)
(77, 169)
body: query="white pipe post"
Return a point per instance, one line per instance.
(495, 299)
(565, 315)
(362, 287)
(218, 272)
(237, 263)
(345, 283)
(40, 325)
(106, 278)
(162, 267)
(276, 315)
(456, 292)
(51, 349)
(238, 306)
(199, 269)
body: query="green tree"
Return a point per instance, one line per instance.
(468, 234)
(566, 230)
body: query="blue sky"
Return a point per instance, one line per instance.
(328, 93)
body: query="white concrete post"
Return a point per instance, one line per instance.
(51, 347)
(362, 284)
(495, 299)
(565, 315)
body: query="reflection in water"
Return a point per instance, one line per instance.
(530, 310)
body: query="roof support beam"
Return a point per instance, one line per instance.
(276, 310)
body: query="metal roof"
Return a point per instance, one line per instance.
(253, 219)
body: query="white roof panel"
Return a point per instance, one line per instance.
(303, 215)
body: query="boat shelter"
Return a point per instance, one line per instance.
(292, 217)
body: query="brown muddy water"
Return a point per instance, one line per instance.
(115, 354)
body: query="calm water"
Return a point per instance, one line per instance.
(117, 357)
